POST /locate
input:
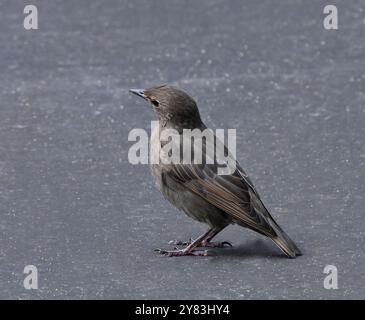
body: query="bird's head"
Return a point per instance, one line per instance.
(171, 105)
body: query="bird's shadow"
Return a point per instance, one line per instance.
(250, 249)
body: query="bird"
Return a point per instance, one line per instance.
(198, 190)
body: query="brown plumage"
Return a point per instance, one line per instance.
(197, 189)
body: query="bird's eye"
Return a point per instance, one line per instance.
(155, 102)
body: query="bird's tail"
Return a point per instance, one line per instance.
(283, 241)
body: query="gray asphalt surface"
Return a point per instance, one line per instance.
(71, 203)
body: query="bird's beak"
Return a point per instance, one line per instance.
(138, 92)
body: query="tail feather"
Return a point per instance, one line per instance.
(283, 241)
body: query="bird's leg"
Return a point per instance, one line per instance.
(207, 243)
(189, 250)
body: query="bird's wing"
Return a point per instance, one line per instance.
(234, 193)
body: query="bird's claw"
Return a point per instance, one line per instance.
(222, 244)
(183, 252)
(206, 244)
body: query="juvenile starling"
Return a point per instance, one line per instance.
(197, 189)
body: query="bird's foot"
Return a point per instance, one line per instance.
(203, 244)
(215, 244)
(182, 252)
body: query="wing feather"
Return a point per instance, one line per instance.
(230, 193)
